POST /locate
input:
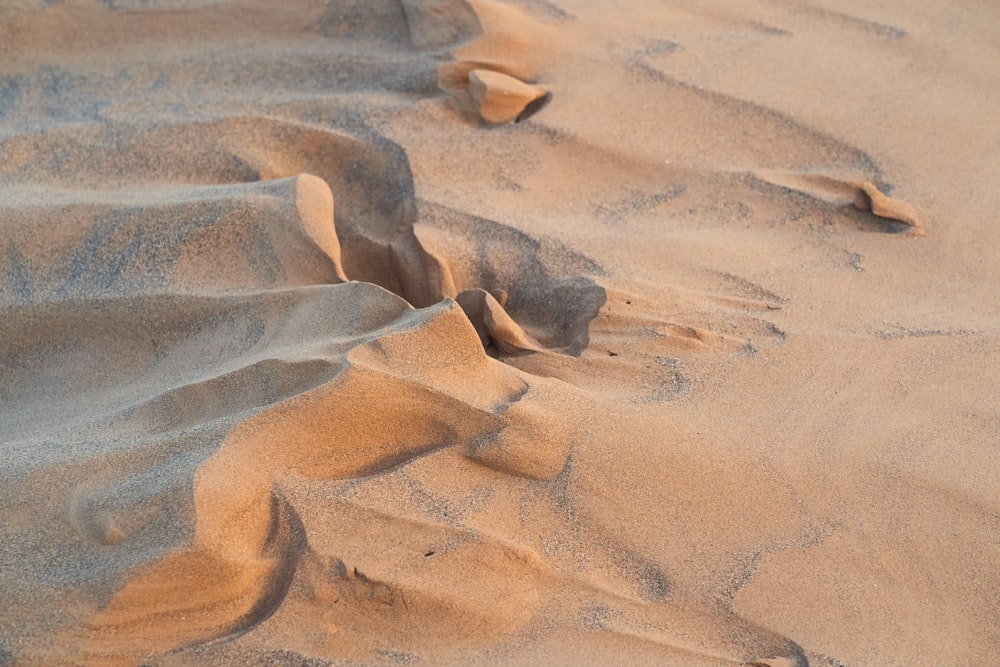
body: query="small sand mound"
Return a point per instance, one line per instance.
(504, 99)
(867, 197)
(862, 194)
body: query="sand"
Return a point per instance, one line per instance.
(463, 332)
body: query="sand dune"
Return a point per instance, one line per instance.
(481, 332)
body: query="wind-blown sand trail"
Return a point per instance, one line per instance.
(474, 332)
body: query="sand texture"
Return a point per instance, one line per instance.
(469, 332)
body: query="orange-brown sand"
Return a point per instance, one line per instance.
(459, 332)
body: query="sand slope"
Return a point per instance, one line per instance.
(480, 332)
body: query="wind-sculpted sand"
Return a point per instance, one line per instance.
(480, 332)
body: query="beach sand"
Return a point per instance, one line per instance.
(458, 332)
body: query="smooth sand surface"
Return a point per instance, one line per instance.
(458, 332)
